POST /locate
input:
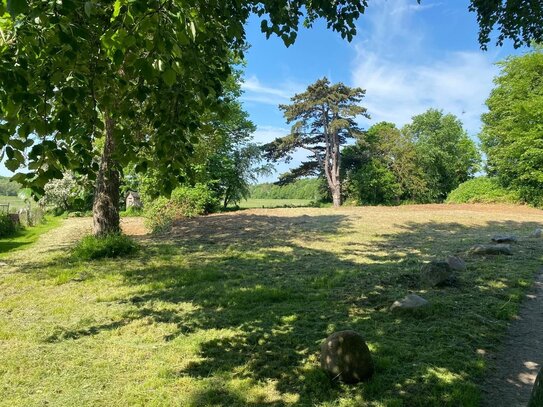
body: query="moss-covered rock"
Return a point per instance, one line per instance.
(345, 356)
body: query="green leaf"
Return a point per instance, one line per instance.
(116, 9)
(12, 164)
(88, 8)
(169, 76)
(118, 57)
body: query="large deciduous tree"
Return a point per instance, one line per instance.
(383, 167)
(323, 118)
(446, 154)
(125, 75)
(512, 134)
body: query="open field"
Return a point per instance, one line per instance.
(14, 202)
(230, 309)
(273, 203)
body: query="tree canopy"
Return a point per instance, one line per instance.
(446, 154)
(512, 129)
(422, 162)
(131, 78)
(323, 118)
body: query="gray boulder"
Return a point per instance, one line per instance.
(437, 273)
(504, 239)
(536, 399)
(345, 356)
(456, 263)
(537, 233)
(410, 302)
(491, 249)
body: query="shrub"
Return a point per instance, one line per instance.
(185, 202)
(160, 214)
(483, 190)
(113, 245)
(194, 201)
(7, 227)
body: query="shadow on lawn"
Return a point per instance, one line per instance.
(262, 277)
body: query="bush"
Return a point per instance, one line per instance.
(185, 202)
(113, 245)
(483, 190)
(7, 227)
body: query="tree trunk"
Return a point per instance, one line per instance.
(336, 195)
(105, 210)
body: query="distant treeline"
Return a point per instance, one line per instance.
(306, 188)
(8, 188)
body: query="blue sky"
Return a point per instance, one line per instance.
(408, 57)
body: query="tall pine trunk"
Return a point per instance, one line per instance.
(336, 195)
(105, 209)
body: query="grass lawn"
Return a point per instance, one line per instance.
(27, 236)
(273, 203)
(14, 202)
(230, 310)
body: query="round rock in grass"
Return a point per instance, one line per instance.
(438, 273)
(410, 302)
(537, 233)
(345, 356)
(456, 263)
(536, 399)
(504, 239)
(491, 249)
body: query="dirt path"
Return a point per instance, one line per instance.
(517, 364)
(72, 229)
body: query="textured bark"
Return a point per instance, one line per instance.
(336, 195)
(105, 210)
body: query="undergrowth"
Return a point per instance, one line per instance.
(98, 247)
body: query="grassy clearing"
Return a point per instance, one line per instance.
(25, 237)
(230, 309)
(15, 203)
(273, 203)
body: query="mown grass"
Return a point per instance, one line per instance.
(229, 310)
(26, 236)
(273, 203)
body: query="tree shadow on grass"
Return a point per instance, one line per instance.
(273, 283)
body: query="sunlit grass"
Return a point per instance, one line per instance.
(229, 310)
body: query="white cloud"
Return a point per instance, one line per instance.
(402, 79)
(255, 91)
(266, 134)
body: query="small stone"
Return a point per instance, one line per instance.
(410, 302)
(456, 263)
(345, 356)
(536, 399)
(3, 264)
(437, 273)
(537, 233)
(504, 239)
(492, 249)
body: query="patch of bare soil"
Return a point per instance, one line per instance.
(133, 226)
(510, 383)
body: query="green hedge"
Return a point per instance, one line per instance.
(7, 227)
(308, 188)
(483, 190)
